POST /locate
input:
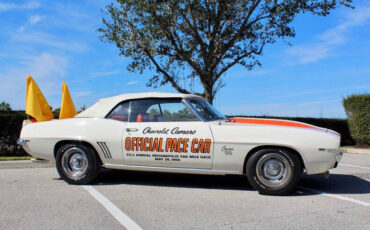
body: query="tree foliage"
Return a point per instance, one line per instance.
(357, 109)
(202, 39)
(4, 106)
(56, 113)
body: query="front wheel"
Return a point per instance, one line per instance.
(273, 171)
(77, 164)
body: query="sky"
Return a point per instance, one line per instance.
(56, 41)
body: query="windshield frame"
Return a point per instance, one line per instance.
(213, 109)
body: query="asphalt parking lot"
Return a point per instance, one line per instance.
(33, 197)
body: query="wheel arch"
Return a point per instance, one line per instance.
(256, 149)
(64, 142)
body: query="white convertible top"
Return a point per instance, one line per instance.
(105, 105)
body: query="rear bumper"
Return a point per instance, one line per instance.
(22, 142)
(39, 148)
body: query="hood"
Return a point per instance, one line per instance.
(277, 122)
(261, 121)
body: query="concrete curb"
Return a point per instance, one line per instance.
(355, 151)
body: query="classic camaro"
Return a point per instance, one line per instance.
(181, 133)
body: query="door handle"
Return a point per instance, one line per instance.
(131, 130)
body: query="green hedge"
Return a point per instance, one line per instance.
(357, 108)
(10, 126)
(338, 125)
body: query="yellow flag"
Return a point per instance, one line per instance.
(67, 108)
(36, 104)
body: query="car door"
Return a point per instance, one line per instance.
(109, 137)
(166, 133)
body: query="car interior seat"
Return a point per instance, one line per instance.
(144, 117)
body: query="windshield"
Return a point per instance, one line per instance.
(206, 110)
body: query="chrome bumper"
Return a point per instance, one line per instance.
(339, 157)
(21, 142)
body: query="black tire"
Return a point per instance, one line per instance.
(71, 157)
(273, 171)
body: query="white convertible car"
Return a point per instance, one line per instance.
(181, 133)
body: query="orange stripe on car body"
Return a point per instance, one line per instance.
(270, 122)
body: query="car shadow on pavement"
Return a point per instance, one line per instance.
(336, 184)
(229, 182)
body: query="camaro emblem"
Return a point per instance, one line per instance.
(227, 151)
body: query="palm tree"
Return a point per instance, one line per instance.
(5, 106)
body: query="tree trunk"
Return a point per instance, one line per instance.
(208, 94)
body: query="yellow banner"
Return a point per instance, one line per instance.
(36, 104)
(67, 108)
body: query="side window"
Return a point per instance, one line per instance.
(140, 110)
(160, 110)
(120, 113)
(177, 112)
(154, 112)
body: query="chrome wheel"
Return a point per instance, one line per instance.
(74, 163)
(274, 170)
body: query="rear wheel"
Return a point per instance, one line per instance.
(273, 171)
(77, 164)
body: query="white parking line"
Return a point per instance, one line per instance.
(366, 204)
(112, 209)
(355, 166)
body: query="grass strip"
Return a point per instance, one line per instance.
(15, 158)
(353, 147)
